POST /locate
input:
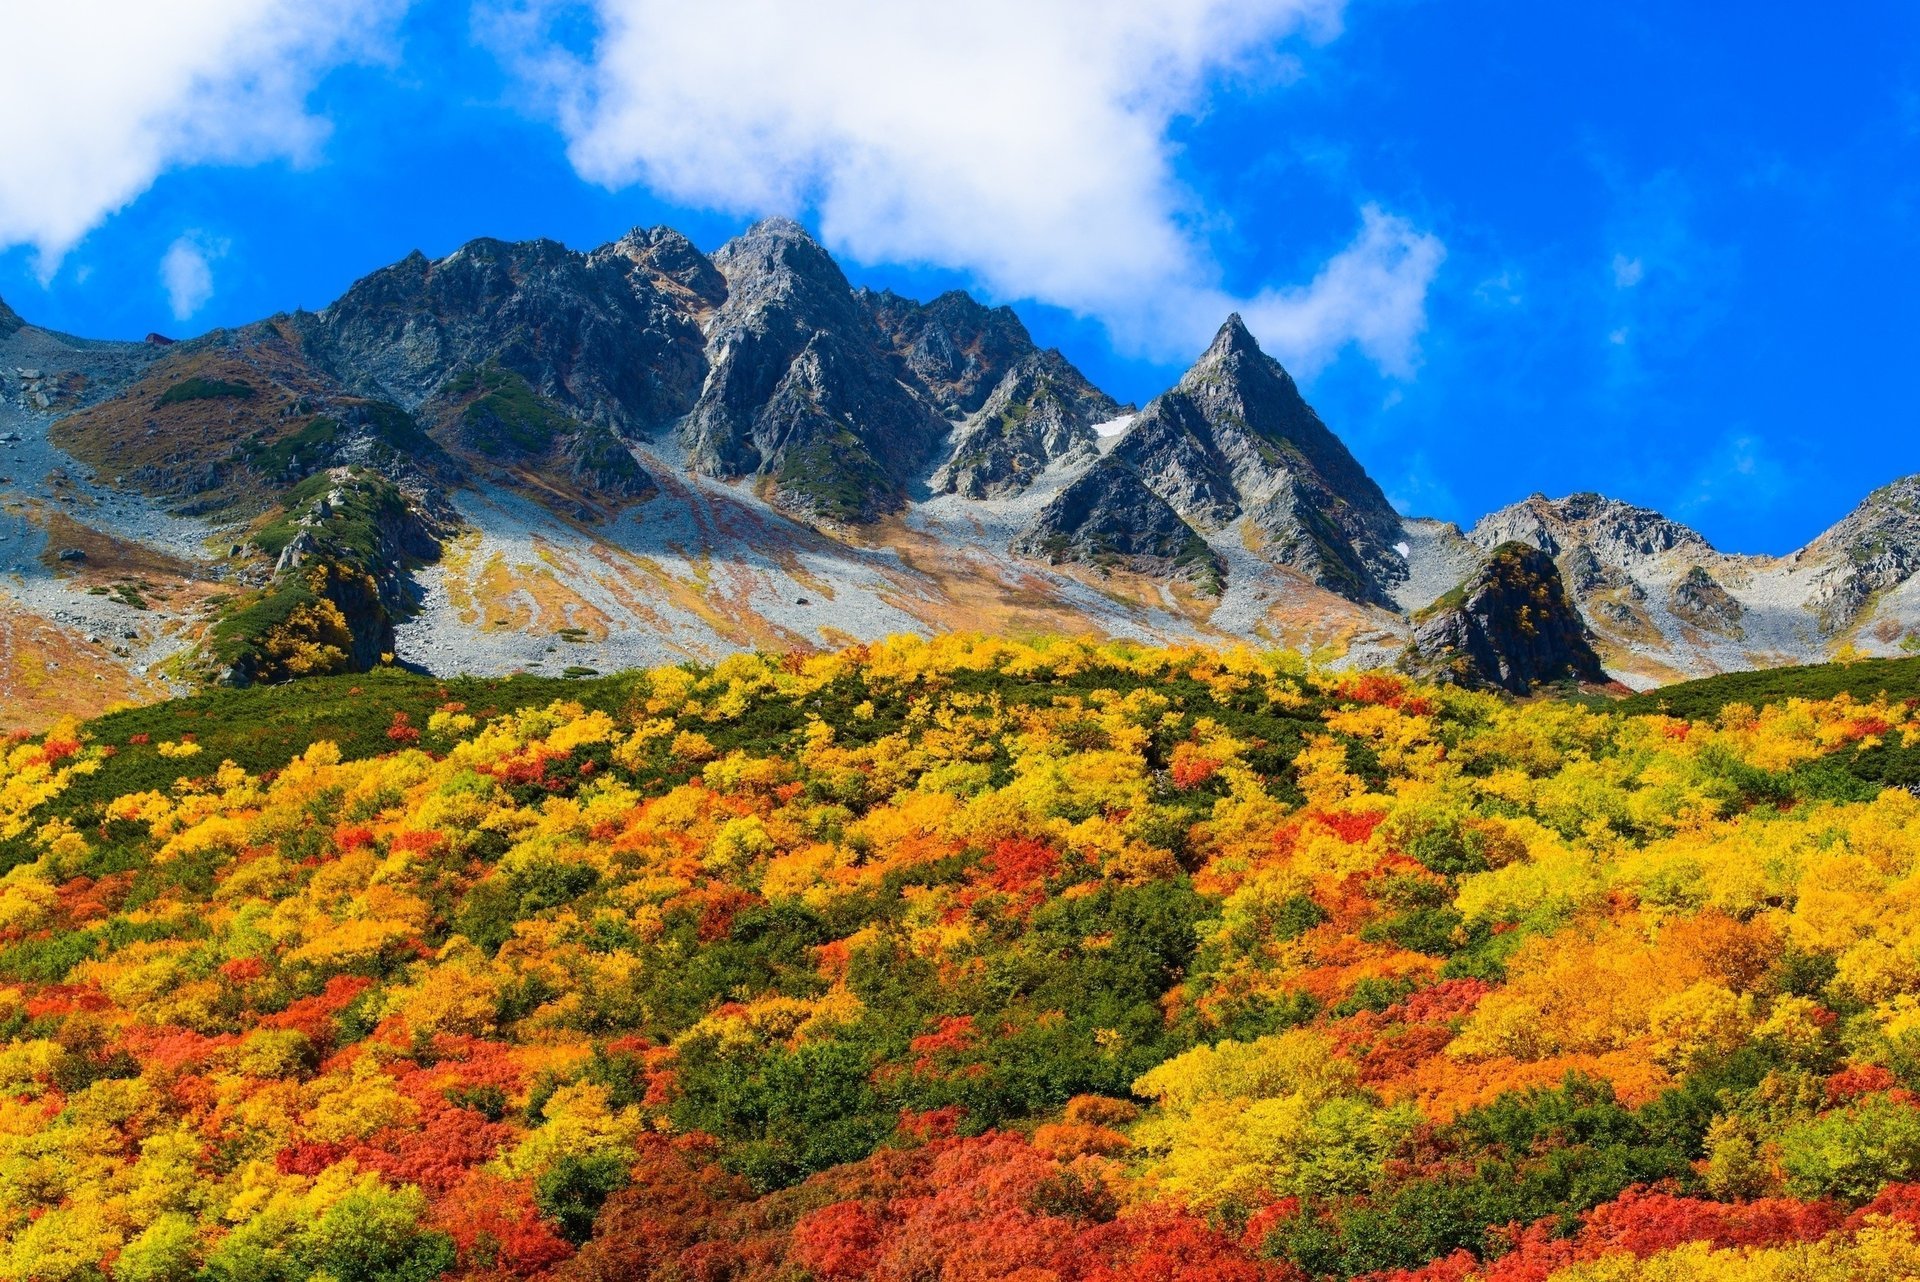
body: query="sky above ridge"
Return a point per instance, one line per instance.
(1668, 251)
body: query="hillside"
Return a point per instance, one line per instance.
(959, 959)
(524, 457)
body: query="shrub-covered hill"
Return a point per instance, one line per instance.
(1863, 679)
(959, 960)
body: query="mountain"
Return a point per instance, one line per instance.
(610, 335)
(1510, 626)
(801, 390)
(1109, 517)
(1665, 604)
(958, 349)
(1233, 441)
(526, 457)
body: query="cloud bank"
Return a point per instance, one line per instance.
(1025, 142)
(104, 95)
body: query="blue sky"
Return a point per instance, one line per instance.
(1643, 248)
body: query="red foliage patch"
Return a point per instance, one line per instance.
(1018, 863)
(1852, 1082)
(841, 1241)
(350, 837)
(1191, 767)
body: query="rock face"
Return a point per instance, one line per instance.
(1616, 533)
(803, 389)
(490, 417)
(1510, 627)
(1108, 518)
(1873, 548)
(610, 335)
(1234, 438)
(1643, 581)
(1700, 600)
(1043, 411)
(957, 348)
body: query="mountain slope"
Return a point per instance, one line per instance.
(1509, 627)
(1234, 438)
(958, 349)
(609, 335)
(955, 960)
(641, 453)
(1665, 603)
(802, 391)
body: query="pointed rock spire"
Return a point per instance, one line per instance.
(1232, 339)
(1234, 437)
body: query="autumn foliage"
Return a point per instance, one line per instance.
(969, 960)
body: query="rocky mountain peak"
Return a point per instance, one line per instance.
(1235, 437)
(671, 263)
(588, 331)
(778, 256)
(1232, 339)
(1510, 626)
(804, 388)
(958, 347)
(1618, 533)
(1874, 547)
(1044, 410)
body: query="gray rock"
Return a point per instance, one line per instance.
(1234, 436)
(1617, 534)
(1700, 600)
(1044, 410)
(959, 349)
(1509, 627)
(599, 333)
(1110, 518)
(1874, 547)
(802, 388)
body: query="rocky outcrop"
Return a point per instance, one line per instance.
(1043, 411)
(957, 348)
(803, 389)
(1699, 599)
(1617, 534)
(344, 548)
(1234, 437)
(1873, 548)
(1510, 627)
(1110, 519)
(611, 335)
(670, 263)
(492, 419)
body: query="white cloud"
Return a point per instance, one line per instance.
(1373, 294)
(1025, 142)
(186, 269)
(1627, 272)
(101, 96)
